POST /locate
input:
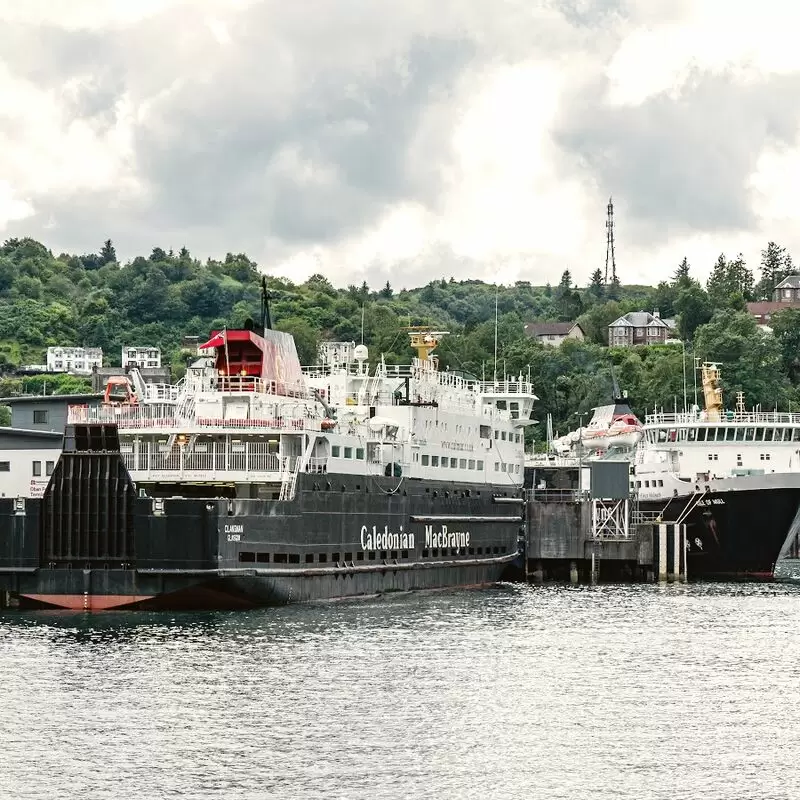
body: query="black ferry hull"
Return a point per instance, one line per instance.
(735, 534)
(91, 543)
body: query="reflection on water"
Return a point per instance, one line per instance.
(520, 692)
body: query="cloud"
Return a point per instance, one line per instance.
(400, 140)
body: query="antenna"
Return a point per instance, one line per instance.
(496, 290)
(610, 243)
(266, 321)
(363, 306)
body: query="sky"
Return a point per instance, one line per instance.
(404, 140)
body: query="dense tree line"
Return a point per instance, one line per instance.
(93, 300)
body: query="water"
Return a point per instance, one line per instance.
(520, 692)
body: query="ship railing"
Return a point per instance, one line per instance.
(751, 417)
(207, 459)
(250, 383)
(317, 465)
(505, 387)
(555, 495)
(164, 417)
(645, 517)
(161, 392)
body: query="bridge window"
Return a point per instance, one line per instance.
(425, 460)
(348, 452)
(759, 434)
(480, 465)
(453, 463)
(37, 468)
(335, 451)
(749, 434)
(462, 463)
(729, 433)
(692, 434)
(472, 463)
(434, 461)
(5, 466)
(795, 434)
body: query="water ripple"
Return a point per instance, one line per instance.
(520, 692)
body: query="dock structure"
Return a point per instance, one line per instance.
(582, 526)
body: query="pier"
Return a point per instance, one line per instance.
(583, 526)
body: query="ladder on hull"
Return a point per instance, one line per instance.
(289, 481)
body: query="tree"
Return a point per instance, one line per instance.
(680, 278)
(750, 358)
(693, 308)
(596, 286)
(730, 282)
(565, 284)
(386, 292)
(108, 254)
(773, 270)
(786, 329)
(158, 254)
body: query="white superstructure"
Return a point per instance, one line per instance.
(231, 422)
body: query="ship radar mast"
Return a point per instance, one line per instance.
(425, 341)
(712, 391)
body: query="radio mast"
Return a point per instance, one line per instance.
(610, 244)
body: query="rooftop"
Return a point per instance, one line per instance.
(37, 398)
(789, 282)
(550, 328)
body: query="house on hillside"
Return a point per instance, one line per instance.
(640, 327)
(785, 295)
(553, 333)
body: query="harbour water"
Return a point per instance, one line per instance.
(517, 692)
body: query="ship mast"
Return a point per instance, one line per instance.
(712, 391)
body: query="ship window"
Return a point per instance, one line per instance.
(672, 435)
(462, 463)
(309, 558)
(434, 552)
(480, 465)
(348, 452)
(749, 434)
(39, 416)
(647, 484)
(247, 557)
(434, 461)
(738, 434)
(485, 432)
(5, 466)
(501, 404)
(497, 466)
(37, 468)
(360, 555)
(497, 434)
(371, 555)
(425, 460)
(294, 558)
(384, 554)
(729, 432)
(795, 434)
(701, 434)
(445, 462)
(759, 434)
(348, 556)
(425, 553)
(334, 556)
(453, 463)
(335, 451)
(393, 554)
(660, 482)
(404, 554)
(765, 456)
(472, 463)
(360, 453)
(503, 435)
(516, 468)
(263, 558)
(48, 467)
(662, 435)
(713, 457)
(638, 484)
(323, 557)
(692, 434)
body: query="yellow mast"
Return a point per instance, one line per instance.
(424, 340)
(712, 391)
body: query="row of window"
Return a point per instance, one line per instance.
(647, 484)
(347, 452)
(512, 437)
(726, 434)
(249, 557)
(763, 457)
(49, 466)
(450, 463)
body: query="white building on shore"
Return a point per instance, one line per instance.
(78, 360)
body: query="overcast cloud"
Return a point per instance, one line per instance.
(403, 139)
